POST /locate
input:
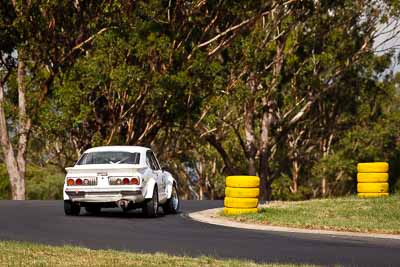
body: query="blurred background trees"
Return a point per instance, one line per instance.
(296, 92)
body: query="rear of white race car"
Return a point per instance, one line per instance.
(119, 176)
(96, 186)
(104, 183)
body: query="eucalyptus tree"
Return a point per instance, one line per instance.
(261, 82)
(151, 72)
(294, 76)
(43, 39)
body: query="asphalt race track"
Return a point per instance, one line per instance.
(45, 222)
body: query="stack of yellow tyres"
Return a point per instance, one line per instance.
(372, 179)
(241, 194)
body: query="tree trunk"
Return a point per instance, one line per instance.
(24, 122)
(250, 145)
(17, 191)
(16, 165)
(324, 186)
(200, 192)
(229, 168)
(266, 122)
(295, 176)
(199, 170)
(213, 173)
(326, 148)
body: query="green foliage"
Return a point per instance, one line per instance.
(5, 189)
(377, 141)
(179, 76)
(281, 190)
(339, 171)
(41, 183)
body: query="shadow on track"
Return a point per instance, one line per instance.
(117, 213)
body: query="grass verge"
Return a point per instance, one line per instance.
(28, 254)
(372, 215)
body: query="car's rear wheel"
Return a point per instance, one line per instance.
(93, 209)
(71, 208)
(172, 204)
(150, 207)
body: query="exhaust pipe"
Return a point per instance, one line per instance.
(123, 203)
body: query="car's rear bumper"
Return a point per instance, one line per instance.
(81, 195)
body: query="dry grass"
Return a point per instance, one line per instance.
(28, 254)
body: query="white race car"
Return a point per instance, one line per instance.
(119, 176)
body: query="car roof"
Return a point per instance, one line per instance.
(132, 149)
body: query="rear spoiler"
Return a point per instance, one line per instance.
(104, 167)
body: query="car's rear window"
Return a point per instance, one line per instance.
(109, 157)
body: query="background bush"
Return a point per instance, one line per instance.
(41, 183)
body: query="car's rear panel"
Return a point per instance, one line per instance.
(105, 183)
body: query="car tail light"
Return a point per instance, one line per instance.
(70, 182)
(124, 180)
(78, 181)
(135, 181)
(85, 181)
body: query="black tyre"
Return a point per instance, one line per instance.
(173, 203)
(150, 207)
(71, 208)
(93, 209)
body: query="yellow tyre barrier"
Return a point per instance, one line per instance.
(242, 181)
(373, 167)
(234, 211)
(372, 187)
(242, 192)
(372, 177)
(366, 195)
(246, 203)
